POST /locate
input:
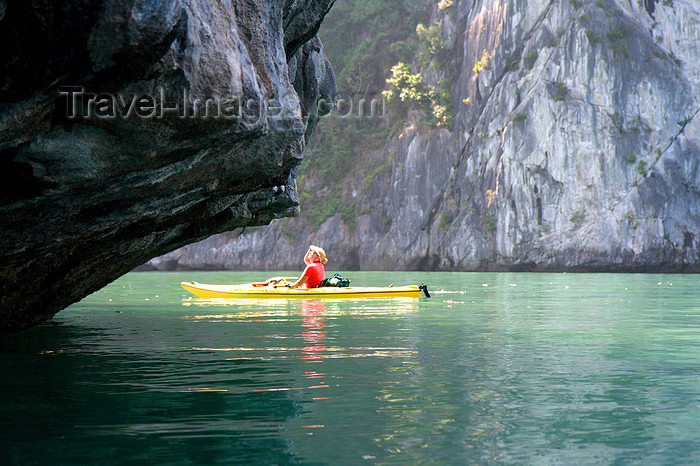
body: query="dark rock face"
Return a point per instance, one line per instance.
(130, 128)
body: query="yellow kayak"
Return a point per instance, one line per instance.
(277, 290)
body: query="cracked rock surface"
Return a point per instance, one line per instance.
(576, 149)
(129, 128)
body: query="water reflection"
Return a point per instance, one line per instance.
(339, 306)
(313, 312)
(296, 331)
(511, 368)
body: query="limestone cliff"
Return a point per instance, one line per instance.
(575, 146)
(129, 128)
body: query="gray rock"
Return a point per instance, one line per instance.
(583, 156)
(93, 188)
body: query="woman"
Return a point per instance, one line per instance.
(314, 273)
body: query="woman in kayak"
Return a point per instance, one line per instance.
(314, 273)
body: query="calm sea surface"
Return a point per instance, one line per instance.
(493, 369)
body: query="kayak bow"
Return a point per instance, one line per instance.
(277, 290)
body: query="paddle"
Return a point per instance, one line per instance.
(273, 281)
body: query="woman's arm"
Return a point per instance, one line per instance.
(301, 280)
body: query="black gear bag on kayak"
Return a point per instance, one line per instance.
(336, 280)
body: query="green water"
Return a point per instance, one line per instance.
(493, 369)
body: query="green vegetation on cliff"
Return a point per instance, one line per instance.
(378, 50)
(365, 38)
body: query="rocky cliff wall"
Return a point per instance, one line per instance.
(576, 148)
(129, 128)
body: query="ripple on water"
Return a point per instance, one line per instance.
(512, 368)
